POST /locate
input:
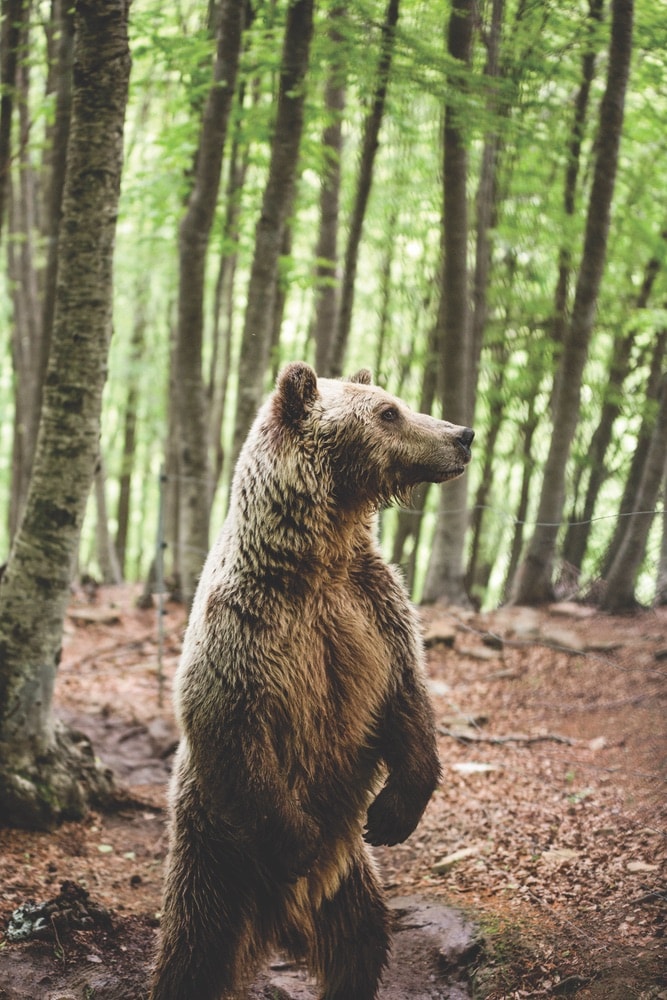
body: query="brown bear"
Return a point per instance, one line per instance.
(307, 731)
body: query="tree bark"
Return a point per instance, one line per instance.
(190, 401)
(619, 591)
(629, 500)
(445, 574)
(578, 531)
(326, 268)
(369, 147)
(534, 579)
(36, 201)
(46, 772)
(107, 558)
(129, 438)
(661, 582)
(13, 13)
(276, 207)
(561, 294)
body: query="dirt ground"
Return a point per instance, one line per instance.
(539, 869)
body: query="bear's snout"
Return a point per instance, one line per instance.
(464, 439)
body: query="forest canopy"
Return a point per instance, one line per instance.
(463, 197)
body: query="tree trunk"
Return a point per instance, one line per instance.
(579, 528)
(369, 147)
(445, 574)
(326, 268)
(619, 592)
(14, 13)
(496, 413)
(661, 582)
(409, 522)
(276, 207)
(223, 307)
(107, 559)
(129, 439)
(534, 579)
(36, 199)
(46, 772)
(487, 192)
(526, 437)
(629, 500)
(572, 170)
(578, 531)
(190, 400)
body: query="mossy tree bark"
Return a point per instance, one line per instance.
(48, 773)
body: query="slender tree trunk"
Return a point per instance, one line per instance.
(13, 13)
(369, 147)
(190, 400)
(578, 532)
(487, 191)
(496, 412)
(619, 592)
(534, 580)
(276, 207)
(410, 521)
(661, 582)
(526, 437)
(129, 439)
(326, 268)
(35, 209)
(107, 558)
(579, 528)
(46, 772)
(223, 303)
(629, 500)
(445, 574)
(561, 295)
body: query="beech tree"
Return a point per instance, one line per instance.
(48, 772)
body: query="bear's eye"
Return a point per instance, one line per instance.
(390, 414)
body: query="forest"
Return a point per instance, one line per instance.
(475, 215)
(463, 196)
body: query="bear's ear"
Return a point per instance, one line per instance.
(362, 377)
(296, 391)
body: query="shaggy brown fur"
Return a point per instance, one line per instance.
(306, 725)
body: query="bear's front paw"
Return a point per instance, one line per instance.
(387, 821)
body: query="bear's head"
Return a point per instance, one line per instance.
(369, 445)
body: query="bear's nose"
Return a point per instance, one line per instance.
(465, 439)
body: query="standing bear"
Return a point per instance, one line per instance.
(307, 731)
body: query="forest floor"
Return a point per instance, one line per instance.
(546, 844)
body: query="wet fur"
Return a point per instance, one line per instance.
(306, 726)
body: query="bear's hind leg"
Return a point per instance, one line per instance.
(351, 939)
(206, 944)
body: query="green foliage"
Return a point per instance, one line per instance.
(529, 107)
